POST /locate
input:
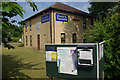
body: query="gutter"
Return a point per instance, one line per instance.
(50, 27)
(53, 26)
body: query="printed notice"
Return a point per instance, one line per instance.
(62, 53)
(67, 60)
(48, 55)
(86, 55)
(67, 67)
(51, 56)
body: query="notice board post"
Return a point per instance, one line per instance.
(81, 61)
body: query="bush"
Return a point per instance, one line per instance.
(108, 31)
(15, 39)
(21, 45)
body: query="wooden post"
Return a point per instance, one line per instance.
(51, 78)
(102, 76)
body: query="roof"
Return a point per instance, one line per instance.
(62, 7)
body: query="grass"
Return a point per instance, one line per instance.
(23, 63)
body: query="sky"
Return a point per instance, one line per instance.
(42, 5)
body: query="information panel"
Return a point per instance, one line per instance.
(67, 60)
(51, 56)
(61, 17)
(45, 18)
(85, 56)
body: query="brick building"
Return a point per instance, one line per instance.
(57, 24)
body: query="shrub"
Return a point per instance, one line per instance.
(15, 39)
(108, 31)
(21, 45)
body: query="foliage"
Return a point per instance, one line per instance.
(98, 9)
(21, 45)
(84, 36)
(15, 39)
(22, 23)
(9, 10)
(17, 31)
(109, 31)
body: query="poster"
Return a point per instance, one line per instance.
(85, 56)
(67, 60)
(51, 56)
(62, 53)
(48, 55)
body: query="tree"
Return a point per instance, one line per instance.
(109, 31)
(98, 9)
(9, 10)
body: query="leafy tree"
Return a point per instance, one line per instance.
(108, 31)
(98, 9)
(9, 10)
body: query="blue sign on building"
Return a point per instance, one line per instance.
(61, 17)
(45, 18)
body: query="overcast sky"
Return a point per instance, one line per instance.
(42, 5)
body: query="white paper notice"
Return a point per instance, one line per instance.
(67, 67)
(86, 55)
(63, 54)
(48, 55)
(67, 60)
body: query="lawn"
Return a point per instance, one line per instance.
(23, 63)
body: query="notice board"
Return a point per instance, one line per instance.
(52, 67)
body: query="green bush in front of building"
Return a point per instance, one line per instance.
(15, 39)
(108, 30)
(21, 45)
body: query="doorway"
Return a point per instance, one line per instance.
(38, 41)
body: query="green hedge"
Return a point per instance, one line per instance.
(21, 45)
(15, 39)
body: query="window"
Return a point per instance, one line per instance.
(30, 26)
(74, 38)
(38, 26)
(38, 36)
(26, 27)
(30, 40)
(84, 23)
(62, 37)
(26, 41)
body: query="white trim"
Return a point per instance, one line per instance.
(86, 59)
(98, 61)
(74, 44)
(102, 42)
